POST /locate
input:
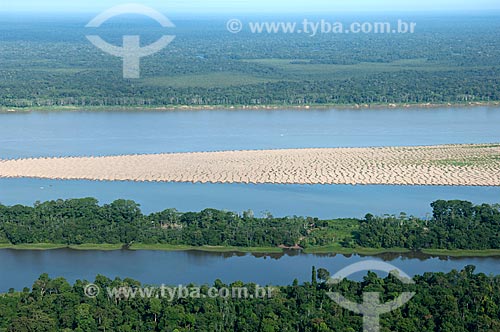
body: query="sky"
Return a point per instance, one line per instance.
(253, 6)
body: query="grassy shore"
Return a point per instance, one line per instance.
(168, 247)
(139, 246)
(4, 109)
(334, 249)
(32, 246)
(51, 246)
(462, 253)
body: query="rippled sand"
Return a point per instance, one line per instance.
(461, 165)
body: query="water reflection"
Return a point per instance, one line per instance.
(20, 268)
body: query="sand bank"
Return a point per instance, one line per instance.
(456, 165)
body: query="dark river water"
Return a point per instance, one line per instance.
(21, 268)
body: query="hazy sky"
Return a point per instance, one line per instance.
(271, 6)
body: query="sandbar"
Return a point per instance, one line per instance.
(446, 165)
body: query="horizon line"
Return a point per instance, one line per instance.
(212, 13)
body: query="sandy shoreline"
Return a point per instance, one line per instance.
(451, 165)
(312, 107)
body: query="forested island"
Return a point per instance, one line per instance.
(455, 228)
(457, 301)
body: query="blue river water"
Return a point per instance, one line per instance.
(322, 201)
(80, 133)
(112, 133)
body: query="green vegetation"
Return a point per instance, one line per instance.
(448, 60)
(336, 249)
(455, 302)
(80, 222)
(470, 160)
(457, 228)
(32, 246)
(456, 225)
(168, 247)
(462, 253)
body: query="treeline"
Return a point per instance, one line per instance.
(448, 60)
(454, 225)
(454, 302)
(83, 221)
(410, 86)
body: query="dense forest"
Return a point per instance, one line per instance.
(47, 62)
(454, 225)
(454, 302)
(80, 221)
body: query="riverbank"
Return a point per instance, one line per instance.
(254, 250)
(380, 251)
(462, 253)
(52, 246)
(4, 109)
(141, 246)
(336, 249)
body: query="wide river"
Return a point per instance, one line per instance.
(82, 133)
(38, 134)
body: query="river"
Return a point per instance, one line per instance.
(21, 268)
(36, 134)
(81, 133)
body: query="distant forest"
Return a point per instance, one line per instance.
(454, 302)
(49, 62)
(454, 225)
